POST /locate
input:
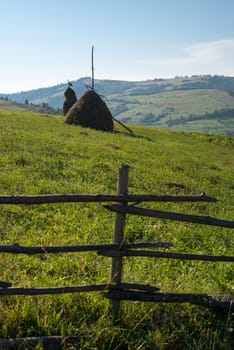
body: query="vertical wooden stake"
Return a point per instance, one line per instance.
(117, 262)
(92, 70)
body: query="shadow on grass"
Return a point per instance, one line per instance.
(134, 135)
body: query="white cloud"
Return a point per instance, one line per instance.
(215, 57)
(215, 53)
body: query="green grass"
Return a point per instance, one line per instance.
(40, 155)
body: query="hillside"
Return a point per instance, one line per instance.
(201, 110)
(198, 103)
(7, 104)
(54, 95)
(41, 155)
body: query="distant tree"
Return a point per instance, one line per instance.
(26, 102)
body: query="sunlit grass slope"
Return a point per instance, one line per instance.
(41, 155)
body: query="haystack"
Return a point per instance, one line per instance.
(90, 111)
(70, 99)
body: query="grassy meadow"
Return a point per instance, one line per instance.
(173, 108)
(41, 155)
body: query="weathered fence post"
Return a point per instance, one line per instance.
(116, 270)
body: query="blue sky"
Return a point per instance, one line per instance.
(47, 42)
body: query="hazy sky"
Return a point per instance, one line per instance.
(47, 42)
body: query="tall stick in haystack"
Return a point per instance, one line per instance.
(92, 86)
(91, 111)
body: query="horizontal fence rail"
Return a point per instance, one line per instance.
(92, 198)
(197, 299)
(204, 220)
(78, 289)
(53, 290)
(19, 249)
(126, 249)
(167, 255)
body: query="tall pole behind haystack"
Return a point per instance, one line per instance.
(92, 70)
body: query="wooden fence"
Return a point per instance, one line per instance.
(124, 204)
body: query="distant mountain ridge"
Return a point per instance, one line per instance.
(198, 103)
(54, 95)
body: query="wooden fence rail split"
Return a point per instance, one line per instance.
(75, 198)
(218, 303)
(204, 220)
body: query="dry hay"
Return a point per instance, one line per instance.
(90, 111)
(70, 99)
